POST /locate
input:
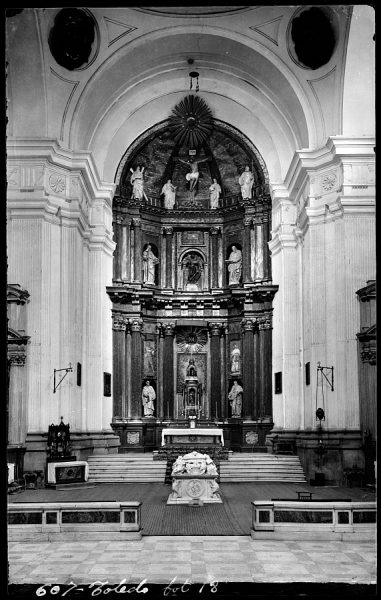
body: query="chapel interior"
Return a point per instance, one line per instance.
(191, 232)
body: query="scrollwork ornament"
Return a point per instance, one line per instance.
(136, 325)
(57, 183)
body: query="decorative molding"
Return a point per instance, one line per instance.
(75, 85)
(17, 294)
(117, 30)
(215, 230)
(269, 29)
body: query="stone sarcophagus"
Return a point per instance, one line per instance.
(194, 480)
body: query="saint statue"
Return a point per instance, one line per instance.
(246, 182)
(169, 191)
(194, 268)
(235, 397)
(235, 355)
(192, 177)
(148, 396)
(234, 265)
(149, 262)
(191, 368)
(215, 190)
(137, 183)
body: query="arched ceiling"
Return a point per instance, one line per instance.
(139, 72)
(137, 88)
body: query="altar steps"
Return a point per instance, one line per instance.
(262, 467)
(141, 468)
(126, 468)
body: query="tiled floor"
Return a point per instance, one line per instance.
(200, 559)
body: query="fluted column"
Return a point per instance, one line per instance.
(168, 381)
(215, 370)
(224, 334)
(137, 225)
(249, 363)
(136, 326)
(16, 429)
(214, 231)
(119, 325)
(266, 251)
(117, 262)
(247, 251)
(168, 231)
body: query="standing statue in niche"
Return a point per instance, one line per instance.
(148, 397)
(194, 268)
(235, 356)
(149, 262)
(169, 191)
(234, 265)
(215, 190)
(246, 182)
(191, 368)
(193, 176)
(235, 398)
(137, 183)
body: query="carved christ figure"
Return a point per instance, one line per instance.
(192, 177)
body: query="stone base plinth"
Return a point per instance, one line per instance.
(187, 488)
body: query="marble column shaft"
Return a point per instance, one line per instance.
(215, 370)
(168, 256)
(136, 368)
(247, 251)
(214, 237)
(138, 249)
(249, 374)
(119, 364)
(168, 378)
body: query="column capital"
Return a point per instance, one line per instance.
(248, 325)
(215, 328)
(167, 230)
(248, 221)
(136, 325)
(264, 323)
(119, 322)
(136, 222)
(169, 329)
(214, 230)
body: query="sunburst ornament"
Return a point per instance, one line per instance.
(191, 121)
(193, 340)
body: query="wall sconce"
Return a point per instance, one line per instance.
(68, 369)
(320, 412)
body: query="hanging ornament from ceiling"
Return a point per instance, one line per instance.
(191, 121)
